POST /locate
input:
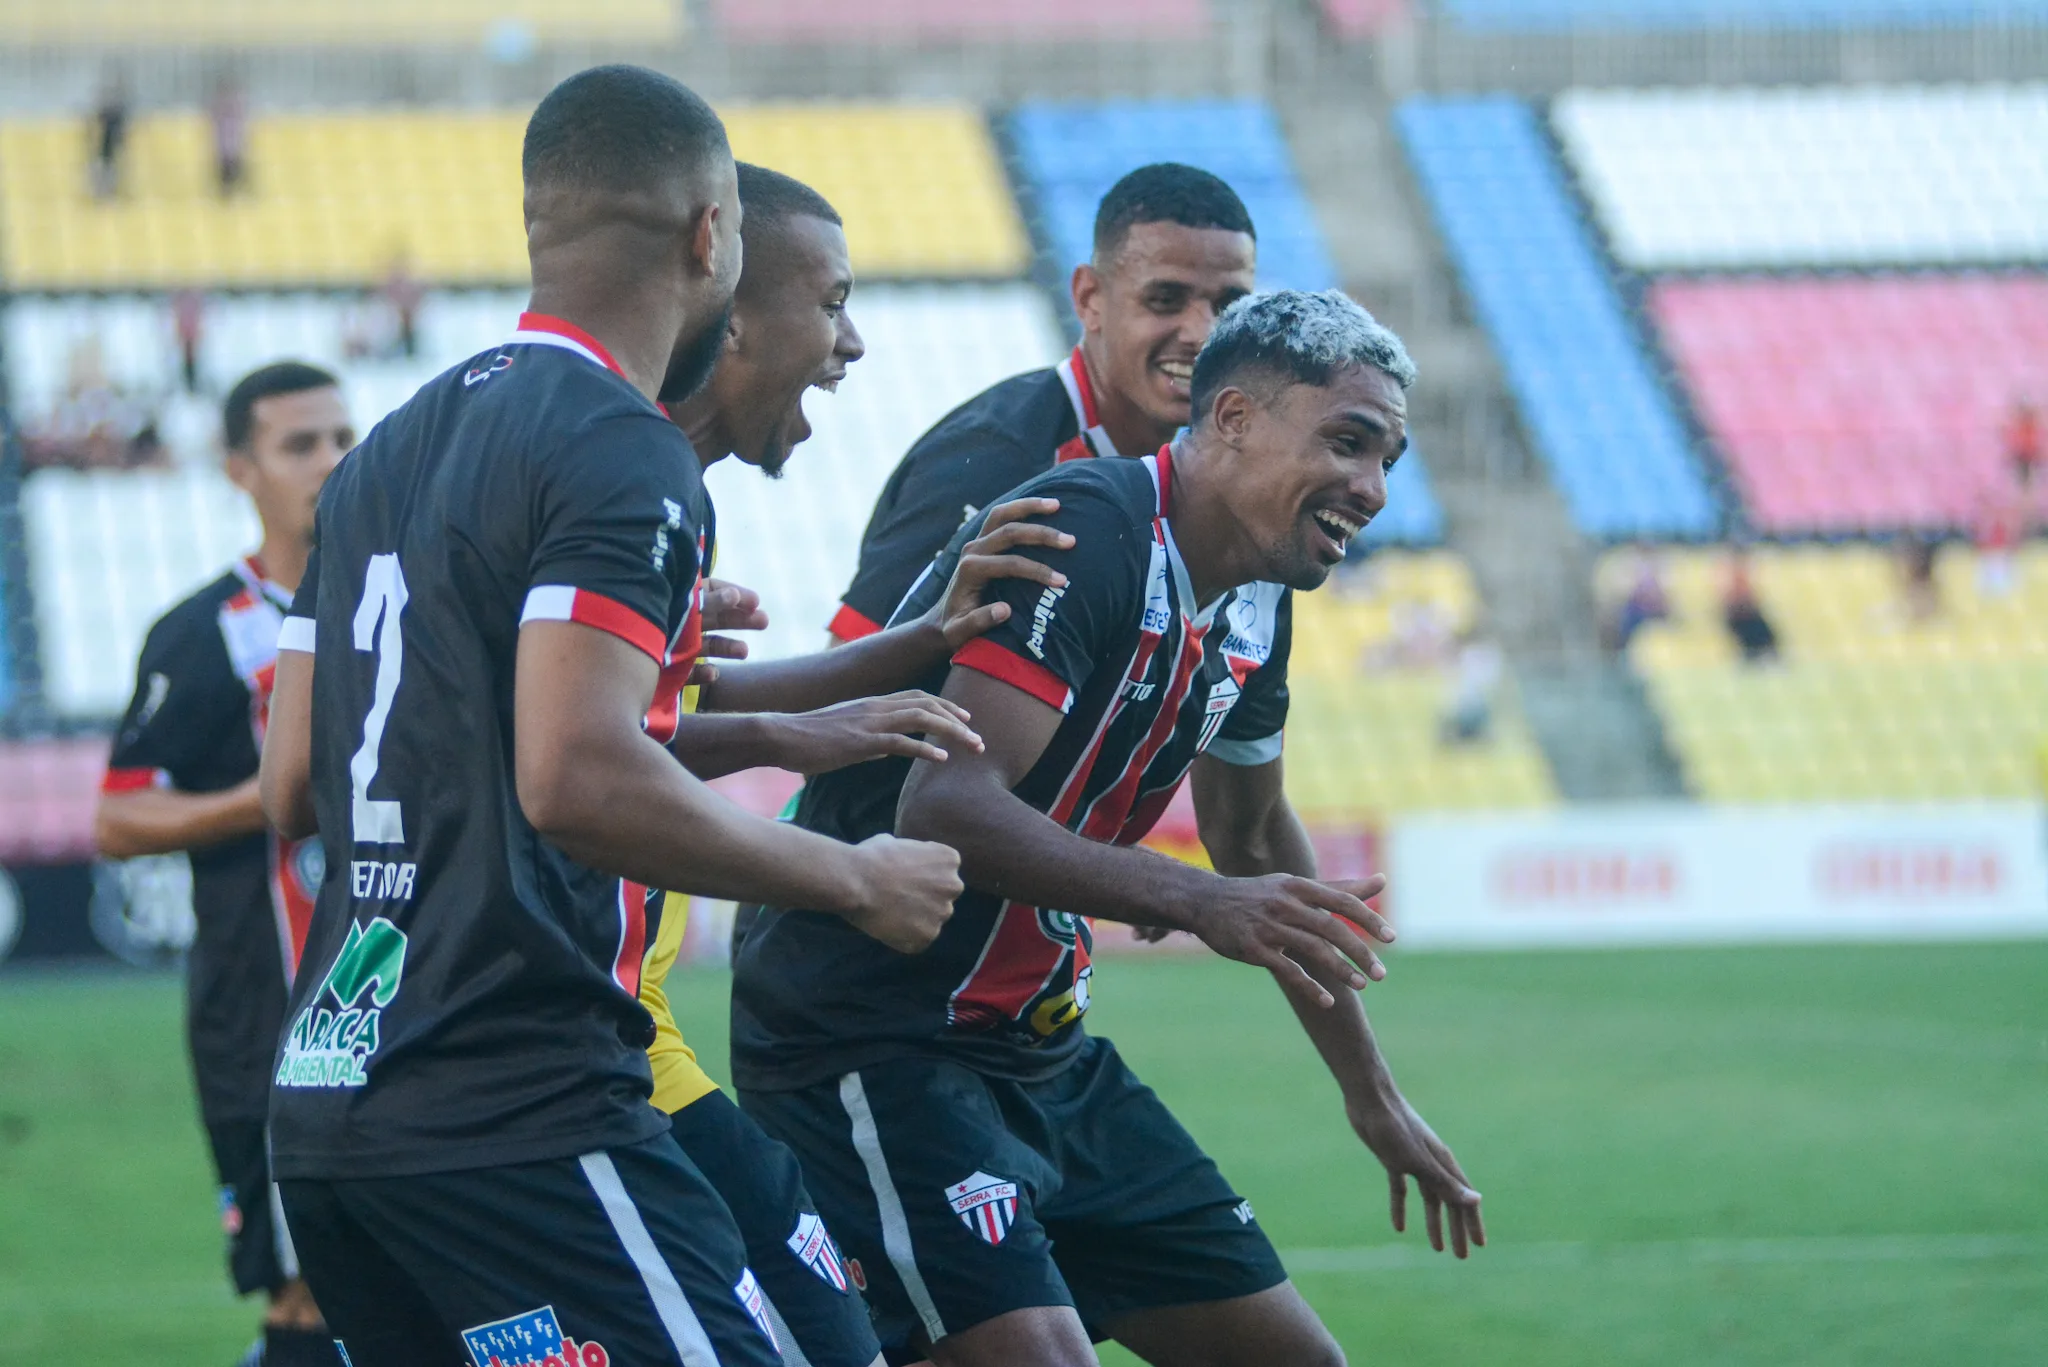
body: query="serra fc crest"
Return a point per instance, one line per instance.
(987, 1205)
(814, 1249)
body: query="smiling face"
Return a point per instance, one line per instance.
(790, 332)
(1148, 310)
(1308, 465)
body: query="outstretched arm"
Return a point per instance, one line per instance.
(1249, 828)
(1279, 922)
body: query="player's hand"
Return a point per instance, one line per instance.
(907, 890)
(914, 724)
(1304, 932)
(961, 614)
(1408, 1148)
(727, 607)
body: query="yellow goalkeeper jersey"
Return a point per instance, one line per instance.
(678, 1078)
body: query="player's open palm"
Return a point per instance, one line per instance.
(907, 890)
(962, 615)
(1408, 1148)
(1305, 932)
(914, 724)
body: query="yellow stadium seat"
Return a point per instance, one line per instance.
(1866, 702)
(337, 198)
(283, 23)
(1363, 730)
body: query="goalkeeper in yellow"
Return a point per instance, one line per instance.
(789, 331)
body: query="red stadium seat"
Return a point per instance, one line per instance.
(47, 793)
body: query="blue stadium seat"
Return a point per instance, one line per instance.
(1072, 153)
(1587, 393)
(1545, 15)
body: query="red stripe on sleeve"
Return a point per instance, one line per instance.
(608, 614)
(986, 657)
(128, 780)
(849, 625)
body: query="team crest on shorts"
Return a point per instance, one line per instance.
(747, 1292)
(814, 1249)
(987, 1205)
(532, 1339)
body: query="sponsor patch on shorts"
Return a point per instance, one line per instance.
(747, 1292)
(531, 1339)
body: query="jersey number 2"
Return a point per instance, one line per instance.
(377, 821)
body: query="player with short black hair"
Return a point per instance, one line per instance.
(182, 778)
(1009, 1186)
(1174, 247)
(504, 588)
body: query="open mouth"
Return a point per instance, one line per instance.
(1179, 374)
(829, 383)
(1335, 528)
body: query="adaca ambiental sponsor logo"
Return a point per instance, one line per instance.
(814, 1248)
(532, 1339)
(987, 1205)
(332, 1040)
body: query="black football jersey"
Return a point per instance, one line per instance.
(469, 994)
(1146, 679)
(1001, 437)
(195, 724)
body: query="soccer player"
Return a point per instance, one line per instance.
(1174, 247)
(789, 332)
(1007, 1185)
(502, 574)
(182, 777)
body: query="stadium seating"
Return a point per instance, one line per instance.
(1691, 179)
(48, 790)
(1363, 727)
(798, 21)
(108, 551)
(1844, 404)
(366, 23)
(795, 540)
(1588, 396)
(1072, 153)
(1867, 702)
(1364, 18)
(1541, 15)
(337, 199)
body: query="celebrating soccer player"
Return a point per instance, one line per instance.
(1006, 1184)
(182, 777)
(505, 572)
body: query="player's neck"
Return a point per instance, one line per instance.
(639, 339)
(1131, 430)
(1212, 542)
(698, 417)
(283, 559)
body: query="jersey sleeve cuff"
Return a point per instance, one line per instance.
(128, 780)
(850, 624)
(297, 633)
(1246, 753)
(566, 603)
(984, 656)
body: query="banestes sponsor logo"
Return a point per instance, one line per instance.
(331, 1042)
(532, 1339)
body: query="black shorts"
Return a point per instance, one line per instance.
(623, 1256)
(961, 1197)
(798, 1263)
(260, 1256)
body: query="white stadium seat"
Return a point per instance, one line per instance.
(1718, 179)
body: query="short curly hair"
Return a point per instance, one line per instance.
(1297, 337)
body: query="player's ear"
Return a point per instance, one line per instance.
(1086, 291)
(1230, 414)
(240, 465)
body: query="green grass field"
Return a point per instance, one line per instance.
(1732, 1156)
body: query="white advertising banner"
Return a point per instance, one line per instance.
(1698, 874)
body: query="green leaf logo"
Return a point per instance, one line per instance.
(373, 956)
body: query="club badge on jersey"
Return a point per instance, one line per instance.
(987, 1205)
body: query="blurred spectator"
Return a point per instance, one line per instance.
(228, 114)
(93, 425)
(110, 137)
(1422, 636)
(1754, 635)
(188, 319)
(402, 293)
(2024, 441)
(1919, 589)
(1469, 718)
(1645, 602)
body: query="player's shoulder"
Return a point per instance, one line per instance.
(196, 617)
(1024, 413)
(1128, 488)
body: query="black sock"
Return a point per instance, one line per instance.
(284, 1347)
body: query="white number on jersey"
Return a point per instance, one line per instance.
(377, 821)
